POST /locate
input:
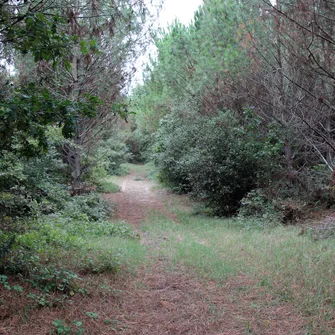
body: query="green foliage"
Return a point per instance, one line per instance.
(117, 152)
(107, 186)
(30, 187)
(216, 159)
(4, 283)
(51, 251)
(26, 112)
(30, 30)
(256, 204)
(109, 155)
(51, 279)
(173, 140)
(139, 144)
(64, 328)
(27, 107)
(82, 226)
(61, 328)
(100, 262)
(92, 315)
(47, 95)
(38, 217)
(86, 207)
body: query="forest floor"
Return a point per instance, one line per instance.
(170, 299)
(194, 275)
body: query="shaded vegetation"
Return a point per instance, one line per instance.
(231, 107)
(235, 110)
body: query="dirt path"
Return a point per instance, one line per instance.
(137, 198)
(159, 301)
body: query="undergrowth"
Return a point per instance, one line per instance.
(107, 186)
(48, 261)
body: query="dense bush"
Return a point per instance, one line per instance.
(86, 207)
(40, 220)
(51, 250)
(173, 142)
(139, 144)
(107, 156)
(215, 158)
(115, 150)
(31, 186)
(107, 186)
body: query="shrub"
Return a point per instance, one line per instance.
(257, 204)
(100, 262)
(173, 141)
(86, 207)
(29, 187)
(52, 279)
(139, 144)
(26, 250)
(216, 159)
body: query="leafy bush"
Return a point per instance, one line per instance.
(66, 328)
(122, 170)
(52, 279)
(173, 141)
(139, 144)
(216, 159)
(110, 154)
(87, 208)
(257, 204)
(30, 187)
(37, 251)
(100, 262)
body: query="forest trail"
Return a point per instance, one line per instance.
(166, 298)
(167, 294)
(138, 197)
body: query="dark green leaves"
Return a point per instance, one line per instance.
(39, 34)
(25, 114)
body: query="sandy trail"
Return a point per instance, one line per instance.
(138, 197)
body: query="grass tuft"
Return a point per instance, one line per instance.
(108, 186)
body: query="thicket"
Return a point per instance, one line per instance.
(40, 219)
(216, 159)
(45, 228)
(63, 79)
(238, 59)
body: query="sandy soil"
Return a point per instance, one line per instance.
(138, 197)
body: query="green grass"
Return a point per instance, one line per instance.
(293, 268)
(130, 252)
(108, 185)
(98, 247)
(117, 180)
